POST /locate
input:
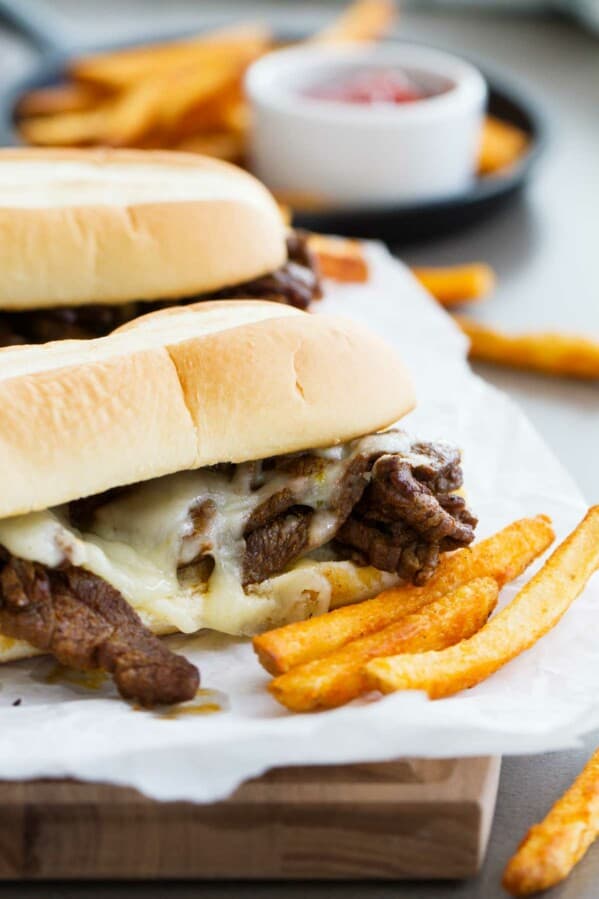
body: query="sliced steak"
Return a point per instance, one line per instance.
(292, 284)
(296, 283)
(350, 488)
(270, 548)
(85, 623)
(380, 500)
(271, 508)
(400, 524)
(398, 549)
(82, 511)
(441, 470)
(392, 510)
(395, 492)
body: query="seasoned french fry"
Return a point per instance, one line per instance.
(364, 20)
(66, 129)
(549, 353)
(123, 121)
(156, 95)
(456, 284)
(219, 144)
(340, 258)
(302, 200)
(166, 94)
(122, 68)
(550, 849)
(339, 677)
(136, 112)
(226, 111)
(58, 98)
(502, 144)
(194, 86)
(536, 610)
(503, 557)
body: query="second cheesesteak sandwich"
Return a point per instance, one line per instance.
(91, 239)
(229, 465)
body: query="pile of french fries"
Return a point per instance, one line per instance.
(188, 94)
(441, 639)
(183, 95)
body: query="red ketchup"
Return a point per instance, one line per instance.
(370, 86)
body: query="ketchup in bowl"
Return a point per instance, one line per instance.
(360, 126)
(372, 85)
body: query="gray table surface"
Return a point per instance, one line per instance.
(545, 250)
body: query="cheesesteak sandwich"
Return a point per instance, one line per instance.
(228, 465)
(94, 238)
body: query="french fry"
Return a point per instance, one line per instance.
(340, 258)
(226, 111)
(193, 86)
(135, 113)
(545, 352)
(120, 69)
(302, 200)
(535, 610)
(158, 103)
(123, 121)
(59, 98)
(503, 557)
(219, 144)
(364, 20)
(66, 129)
(456, 284)
(502, 144)
(550, 849)
(339, 677)
(156, 95)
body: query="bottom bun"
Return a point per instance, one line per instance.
(310, 588)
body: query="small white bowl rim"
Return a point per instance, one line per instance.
(468, 85)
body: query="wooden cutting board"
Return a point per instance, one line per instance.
(405, 819)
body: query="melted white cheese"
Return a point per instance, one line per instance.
(137, 541)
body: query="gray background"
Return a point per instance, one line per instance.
(545, 249)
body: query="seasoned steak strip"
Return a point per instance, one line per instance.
(401, 525)
(270, 548)
(395, 548)
(395, 493)
(85, 623)
(296, 283)
(394, 511)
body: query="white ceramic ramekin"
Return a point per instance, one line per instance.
(350, 154)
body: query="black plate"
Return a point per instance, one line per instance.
(396, 224)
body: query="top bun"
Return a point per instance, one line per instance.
(112, 226)
(224, 381)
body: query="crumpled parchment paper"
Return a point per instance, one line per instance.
(541, 701)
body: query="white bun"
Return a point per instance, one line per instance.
(183, 388)
(310, 589)
(112, 226)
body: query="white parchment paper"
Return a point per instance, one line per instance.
(544, 700)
